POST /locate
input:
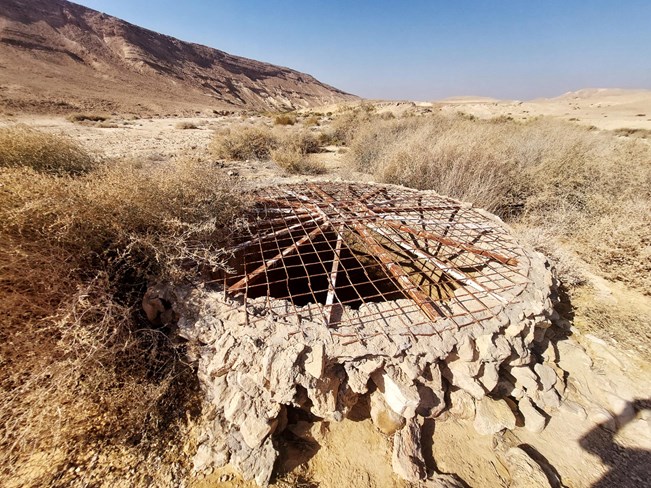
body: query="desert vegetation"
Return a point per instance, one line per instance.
(285, 119)
(560, 182)
(22, 147)
(289, 148)
(186, 125)
(87, 117)
(86, 378)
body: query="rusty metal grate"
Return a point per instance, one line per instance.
(354, 253)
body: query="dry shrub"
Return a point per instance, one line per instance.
(260, 142)
(345, 125)
(586, 189)
(285, 119)
(86, 118)
(21, 146)
(295, 161)
(186, 125)
(427, 154)
(312, 121)
(303, 141)
(629, 132)
(243, 142)
(87, 381)
(292, 152)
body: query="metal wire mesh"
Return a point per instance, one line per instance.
(357, 254)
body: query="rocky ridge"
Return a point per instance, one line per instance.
(58, 56)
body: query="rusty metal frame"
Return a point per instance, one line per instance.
(350, 245)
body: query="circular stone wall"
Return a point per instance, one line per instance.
(342, 290)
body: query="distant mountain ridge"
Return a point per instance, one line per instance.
(56, 56)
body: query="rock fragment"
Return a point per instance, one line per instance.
(384, 418)
(534, 421)
(493, 416)
(524, 471)
(407, 459)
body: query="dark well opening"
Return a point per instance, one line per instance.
(304, 276)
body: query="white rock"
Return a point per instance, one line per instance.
(546, 375)
(466, 349)
(384, 418)
(534, 421)
(550, 399)
(572, 357)
(462, 375)
(492, 416)
(525, 377)
(255, 430)
(573, 408)
(315, 361)
(462, 405)
(490, 376)
(402, 400)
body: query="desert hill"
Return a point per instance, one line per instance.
(57, 56)
(604, 108)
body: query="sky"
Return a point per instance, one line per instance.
(421, 50)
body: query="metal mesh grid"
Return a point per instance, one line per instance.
(356, 254)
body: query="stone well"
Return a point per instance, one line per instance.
(340, 291)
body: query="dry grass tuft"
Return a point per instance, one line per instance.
(86, 118)
(186, 125)
(263, 143)
(427, 154)
(629, 132)
(21, 146)
(85, 376)
(312, 121)
(586, 189)
(293, 150)
(285, 119)
(243, 142)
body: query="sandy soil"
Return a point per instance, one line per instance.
(608, 109)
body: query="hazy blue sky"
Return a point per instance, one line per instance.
(422, 50)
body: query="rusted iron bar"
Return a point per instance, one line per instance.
(451, 242)
(333, 276)
(449, 270)
(413, 208)
(244, 282)
(422, 300)
(402, 278)
(277, 233)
